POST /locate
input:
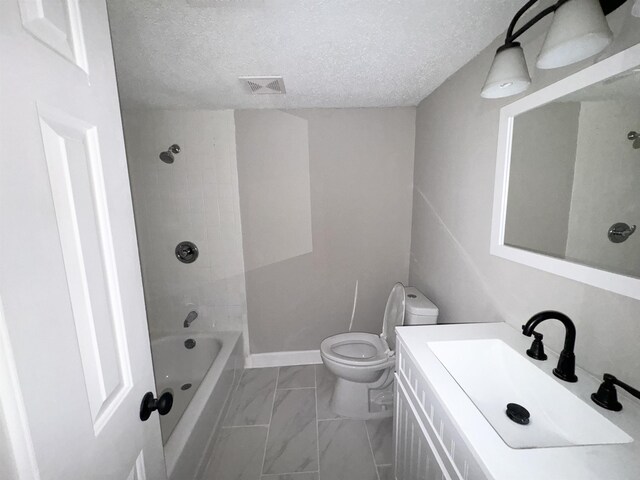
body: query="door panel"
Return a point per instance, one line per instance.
(415, 455)
(72, 152)
(70, 282)
(138, 472)
(58, 25)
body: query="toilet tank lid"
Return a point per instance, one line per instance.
(418, 304)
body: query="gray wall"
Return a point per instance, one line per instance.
(195, 198)
(276, 187)
(360, 164)
(453, 197)
(541, 178)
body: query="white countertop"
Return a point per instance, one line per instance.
(499, 461)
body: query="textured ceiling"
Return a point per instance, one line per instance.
(331, 53)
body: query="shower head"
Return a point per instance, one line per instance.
(168, 156)
(635, 138)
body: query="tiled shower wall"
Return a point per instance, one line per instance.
(195, 199)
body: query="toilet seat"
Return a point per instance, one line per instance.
(356, 349)
(364, 350)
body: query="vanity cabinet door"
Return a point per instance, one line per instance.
(457, 458)
(415, 454)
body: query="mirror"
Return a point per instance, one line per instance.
(568, 179)
(575, 173)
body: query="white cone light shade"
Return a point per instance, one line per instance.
(508, 74)
(579, 30)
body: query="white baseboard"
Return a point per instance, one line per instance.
(283, 359)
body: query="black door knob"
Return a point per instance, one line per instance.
(149, 404)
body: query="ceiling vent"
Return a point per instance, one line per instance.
(264, 85)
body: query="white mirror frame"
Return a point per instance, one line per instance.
(606, 280)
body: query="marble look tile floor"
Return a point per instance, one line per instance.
(279, 427)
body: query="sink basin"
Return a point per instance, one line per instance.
(492, 374)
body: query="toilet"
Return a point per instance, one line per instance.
(364, 363)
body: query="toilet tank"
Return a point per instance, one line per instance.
(419, 310)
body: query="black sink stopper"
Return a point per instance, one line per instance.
(517, 413)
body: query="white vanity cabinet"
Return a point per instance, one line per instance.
(440, 433)
(427, 445)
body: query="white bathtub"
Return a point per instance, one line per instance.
(211, 368)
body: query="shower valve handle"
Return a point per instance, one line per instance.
(629, 231)
(186, 252)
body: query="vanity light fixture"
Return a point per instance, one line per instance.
(578, 31)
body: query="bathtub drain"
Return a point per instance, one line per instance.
(190, 343)
(186, 386)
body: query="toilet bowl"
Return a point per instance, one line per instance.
(358, 357)
(364, 363)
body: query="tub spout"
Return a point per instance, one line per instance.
(190, 318)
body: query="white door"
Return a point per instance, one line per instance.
(75, 358)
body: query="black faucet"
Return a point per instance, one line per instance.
(607, 397)
(566, 369)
